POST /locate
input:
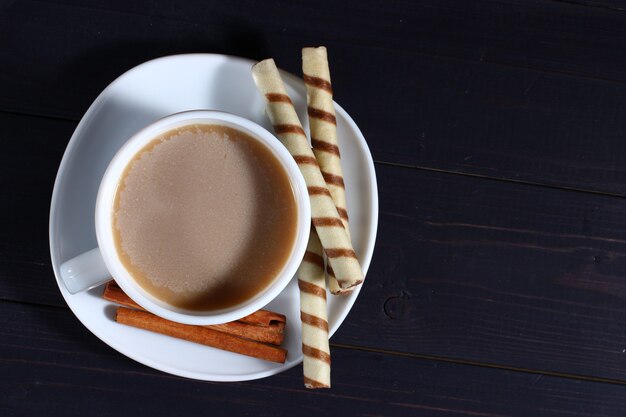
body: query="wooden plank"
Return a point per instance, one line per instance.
(614, 5)
(547, 36)
(499, 122)
(31, 152)
(465, 268)
(50, 362)
(483, 270)
(490, 89)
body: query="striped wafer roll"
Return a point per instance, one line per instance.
(325, 217)
(323, 123)
(312, 284)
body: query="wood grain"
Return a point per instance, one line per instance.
(488, 88)
(31, 152)
(51, 354)
(477, 272)
(466, 268)
(507, 274)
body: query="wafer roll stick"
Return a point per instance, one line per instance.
(325, 217)
(323, 123)
(312, 284)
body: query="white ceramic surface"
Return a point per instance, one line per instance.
(139, 97)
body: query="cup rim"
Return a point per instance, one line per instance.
(104, 218)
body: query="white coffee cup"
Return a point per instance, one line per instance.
(98, 265)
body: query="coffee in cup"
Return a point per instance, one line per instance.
(202, 217)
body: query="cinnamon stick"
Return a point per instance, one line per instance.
(113, 293)
(264, 318)
(273, 333)
(261, 326)
(200, 334)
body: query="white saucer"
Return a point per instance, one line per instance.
(139, 97)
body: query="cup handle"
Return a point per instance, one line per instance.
(84, 271)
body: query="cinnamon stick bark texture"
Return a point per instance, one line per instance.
(325, 216)
(273, 333)
(262, 326)
(113, 293)
(264, 318)
(200, 334)
(312, 284)
(323, 124)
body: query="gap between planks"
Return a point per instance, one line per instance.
(501, 367)
(40, 115)
(509, 180)
(417, 356)
(595, 5)
(392, 164)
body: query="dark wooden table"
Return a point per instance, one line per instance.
(498, 283)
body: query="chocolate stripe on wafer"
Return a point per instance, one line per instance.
(337, 253)
(333, 179)
(314, 317)
(267, 78)
(327, 222)
(343, 213)
(318, 82)
(278, 97)
(311, 383)
(320, 145)
(285, 128)
(318, 191)
(313, 289)
(314, 258)
(330, 271)
(322, 115)
(316, 353)
(314, 321)
(323, 123)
